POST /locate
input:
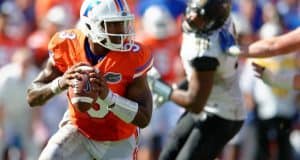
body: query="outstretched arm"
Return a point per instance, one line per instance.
(284, 44)
(199, 88)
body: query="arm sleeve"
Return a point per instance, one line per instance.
(144, 62)
(57, 48)
(205, 63)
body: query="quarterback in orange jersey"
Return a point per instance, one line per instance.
(118, 67)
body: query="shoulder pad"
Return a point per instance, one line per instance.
(143, 58)
(63, 37)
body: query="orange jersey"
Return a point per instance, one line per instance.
(119, 69)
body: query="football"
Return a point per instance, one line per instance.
(81, 93)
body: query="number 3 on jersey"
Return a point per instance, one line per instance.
(67, 35)
(101, 112)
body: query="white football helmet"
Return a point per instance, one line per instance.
(96, 15)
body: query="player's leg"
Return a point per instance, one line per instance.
(113, 150)
(283, 129)
(208, 138)
(248, 146)
(243, 144)
(65, 144)
(178, 137)
(262, 150)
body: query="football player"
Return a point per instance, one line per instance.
(161, 33)
(213, 100)
(104, 40)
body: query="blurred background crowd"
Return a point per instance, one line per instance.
(272, 128)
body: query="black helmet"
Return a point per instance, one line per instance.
(214, 13)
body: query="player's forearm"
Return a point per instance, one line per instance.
(182, 98)
(261, 49)
(143, 117)
(39, 93)
(284, 44)
(144, 113)
(190, 102)
(179, 94)
(130, 111)
(199, 89)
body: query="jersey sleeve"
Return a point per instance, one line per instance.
(57, 52)
(144, 61)
(200, 53)
(205, 63)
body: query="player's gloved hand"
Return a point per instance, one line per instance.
(161, 91)
(228, 43)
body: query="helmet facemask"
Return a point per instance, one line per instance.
(105, 25)
(119, 34)
(206, 24)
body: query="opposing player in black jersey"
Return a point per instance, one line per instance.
(213, 101)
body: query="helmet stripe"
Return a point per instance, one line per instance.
(120, 5)
(90, 7)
